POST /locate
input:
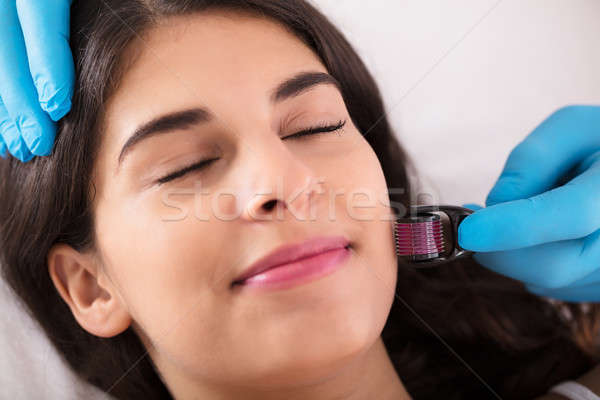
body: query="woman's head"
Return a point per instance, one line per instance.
(224, 86)
(130, 244)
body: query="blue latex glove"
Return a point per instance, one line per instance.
(36, 74)
(535, 229)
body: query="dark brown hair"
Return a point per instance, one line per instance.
(515, 342)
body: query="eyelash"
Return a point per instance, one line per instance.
(318, 129)
(202, 164)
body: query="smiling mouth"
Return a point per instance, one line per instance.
(288, 264)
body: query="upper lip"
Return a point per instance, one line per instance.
(292, 252)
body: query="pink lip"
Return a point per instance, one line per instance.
(296, 263)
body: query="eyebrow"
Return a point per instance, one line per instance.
(186, 119)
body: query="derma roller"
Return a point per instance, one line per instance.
(424, 238)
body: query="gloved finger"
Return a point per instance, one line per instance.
(472, 206)
(16, 86)
(588, 293)
(582, 173)
(590, 246)
(549, 265)
(11, 137)
(567, 212)
(589, 279)
(45, 26)
(548, 153)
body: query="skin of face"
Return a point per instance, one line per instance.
(164, 260)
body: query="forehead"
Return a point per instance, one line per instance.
(199, 56)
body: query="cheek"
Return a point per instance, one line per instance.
(364, 210)
(165, 272)
(368, 209)
(366, 202)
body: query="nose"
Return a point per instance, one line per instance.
(281, 186)
(299, 203)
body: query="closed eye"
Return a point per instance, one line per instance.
(318, 129)
(205, 163)
(178, 174)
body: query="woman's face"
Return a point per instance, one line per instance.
(170, 249)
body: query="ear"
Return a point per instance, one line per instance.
(83, 285)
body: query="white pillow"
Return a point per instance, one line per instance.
(30, 367)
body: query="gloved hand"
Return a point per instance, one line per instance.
(534, 228)
(36, 75)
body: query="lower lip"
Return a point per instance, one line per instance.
(298, 272)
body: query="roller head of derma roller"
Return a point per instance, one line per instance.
(426, 239)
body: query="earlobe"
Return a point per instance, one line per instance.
(96, 307)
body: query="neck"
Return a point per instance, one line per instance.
(369, 376)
